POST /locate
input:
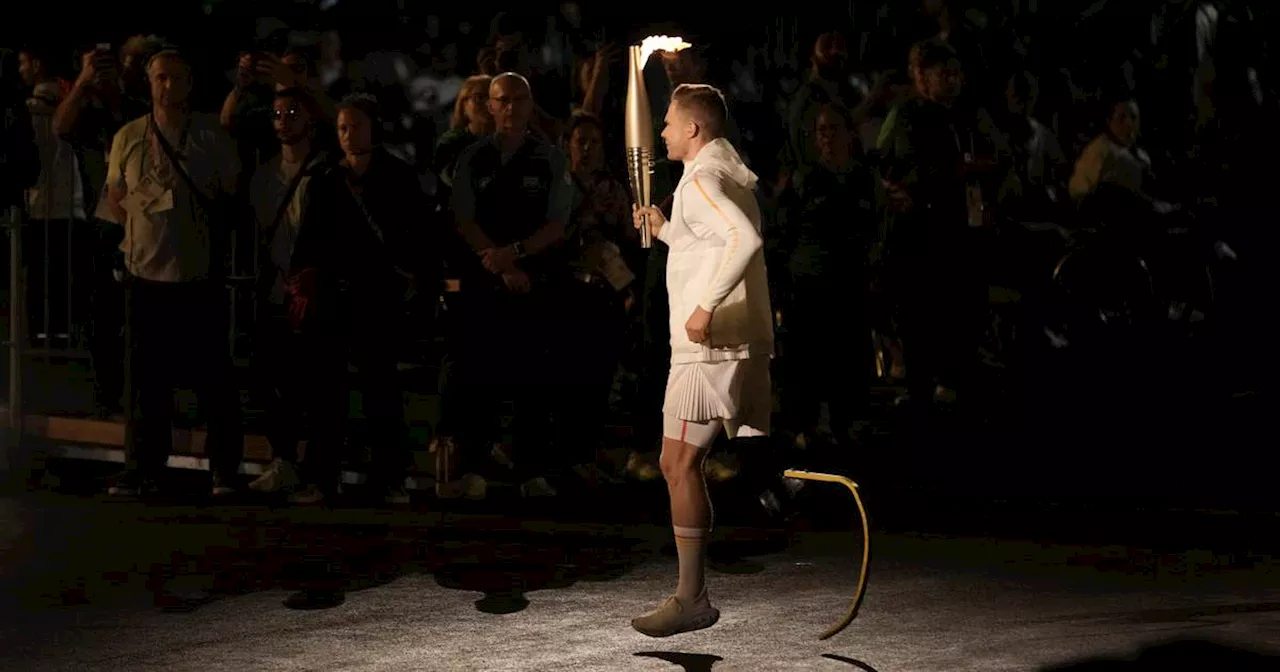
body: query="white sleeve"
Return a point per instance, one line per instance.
(727, 220)
(668, 233)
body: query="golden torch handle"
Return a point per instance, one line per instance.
(639, 136)
(852, 611)
(640, 171)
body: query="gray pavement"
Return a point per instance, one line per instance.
(95, 585)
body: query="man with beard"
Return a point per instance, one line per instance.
(280, 194)
(828, 84)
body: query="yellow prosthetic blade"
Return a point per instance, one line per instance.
(866, 543)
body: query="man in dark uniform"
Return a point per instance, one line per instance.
(360, 254)
(512, 196)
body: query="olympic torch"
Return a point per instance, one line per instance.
(639, 130)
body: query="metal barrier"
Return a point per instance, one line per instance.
(53, 204)
(25, 340)
(16, 326)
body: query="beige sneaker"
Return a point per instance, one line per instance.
(674, 617)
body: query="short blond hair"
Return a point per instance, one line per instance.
(706, 104)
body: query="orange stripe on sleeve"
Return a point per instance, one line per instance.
(735, 237)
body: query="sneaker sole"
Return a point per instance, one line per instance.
(701, 622)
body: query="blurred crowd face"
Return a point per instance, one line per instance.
(586, 149)
(475, 105)
(170, 81)
(511, 54)
(28, 68)
(300, 68)
(942, 83)
(1016, 105)
(831, 55)
(834, 138)
(510, 105)
(132, 75)
(683, 67)
(355, 132)
(1124, 124)
(290, 120)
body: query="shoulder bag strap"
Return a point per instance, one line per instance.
(303, 171)
(364, 209)
(205, 201)
(373, 224)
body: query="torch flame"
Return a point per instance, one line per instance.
(660, 43)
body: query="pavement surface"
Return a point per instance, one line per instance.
(1032, 531)
(92, 584)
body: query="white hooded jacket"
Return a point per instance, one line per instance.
(717, 259)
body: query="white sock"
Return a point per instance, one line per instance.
(691, 548)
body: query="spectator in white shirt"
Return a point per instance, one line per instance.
(168, 174)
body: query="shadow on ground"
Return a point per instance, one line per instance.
(690, 662)
(183, 556)
(322, 563)
(1180, 655)
(857, 664)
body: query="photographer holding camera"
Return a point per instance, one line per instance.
(110, 90)
(246, 111)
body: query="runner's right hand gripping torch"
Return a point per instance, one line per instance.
(639, 129)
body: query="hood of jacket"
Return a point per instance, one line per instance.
(720, 156)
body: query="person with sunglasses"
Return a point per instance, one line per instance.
(280, 194)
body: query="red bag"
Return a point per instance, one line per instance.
(302, 296)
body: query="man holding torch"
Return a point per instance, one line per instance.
(721, 332)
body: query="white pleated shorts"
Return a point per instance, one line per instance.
(737, 393)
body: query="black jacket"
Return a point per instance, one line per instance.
(369, 247)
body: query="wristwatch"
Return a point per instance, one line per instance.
(518, 248)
